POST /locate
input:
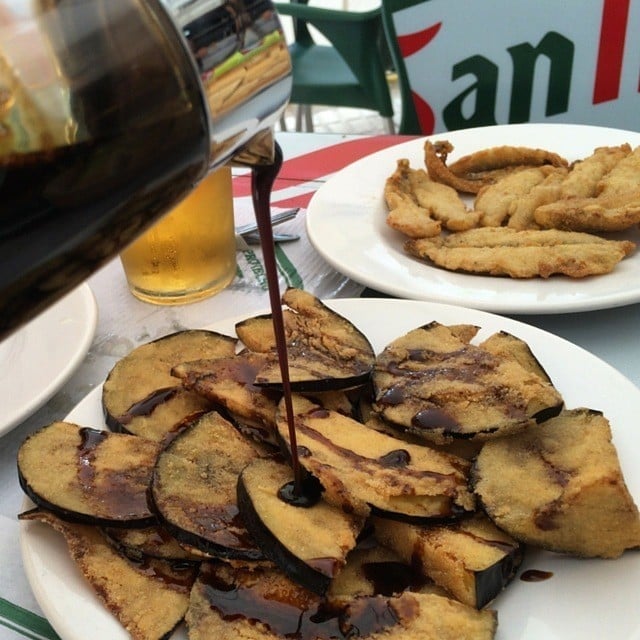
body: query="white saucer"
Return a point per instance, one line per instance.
(39, 358)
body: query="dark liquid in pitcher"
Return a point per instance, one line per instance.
(64, 213)
(140, 142)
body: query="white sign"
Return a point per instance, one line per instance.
(472, 63)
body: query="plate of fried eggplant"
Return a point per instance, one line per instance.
(456, 477)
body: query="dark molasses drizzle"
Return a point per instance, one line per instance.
(146, 406)
(310, 494)
(535, 575)
(262, 179)
(90, 440)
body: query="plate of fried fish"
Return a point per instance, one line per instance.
(525, 218)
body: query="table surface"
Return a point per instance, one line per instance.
(124, 322)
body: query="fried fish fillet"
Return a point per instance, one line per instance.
(494, 201)
(503, 251)
(513, 199)
(522, 209)
(435, 159)
(584, 176)
(474, 171)
(405, 214)
(614, 212)
(419, 207)
(623, 177)
(503, 156)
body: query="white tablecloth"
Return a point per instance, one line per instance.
(125, 322)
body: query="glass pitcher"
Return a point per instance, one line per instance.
(110, 112)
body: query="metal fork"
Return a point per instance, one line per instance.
(250, 231)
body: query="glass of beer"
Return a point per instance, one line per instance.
(191, 253)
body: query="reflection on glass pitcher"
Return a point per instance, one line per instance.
(110, 112)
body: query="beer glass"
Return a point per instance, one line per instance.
(110, 113)
(190, 254)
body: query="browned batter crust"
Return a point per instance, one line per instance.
(501, 251)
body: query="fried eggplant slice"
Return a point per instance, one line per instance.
(560, 487)
(148, 598)
(229, 383)
(419, 207)
(87, 475)
(239, 603)
(140, 395)
(439, 387)
(326, 351)
(372, 570)
(505, 345)
(309, 541)
(362, 470)
(149, 542)
(467, 449)
(193, 490)
(472, 559)
(501, 251)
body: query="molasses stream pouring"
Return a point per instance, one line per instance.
(110, 112)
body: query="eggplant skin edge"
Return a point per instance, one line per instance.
(77, 517)
(398, 516)
(490, 582)
(198, 542)
(318, 385)
(273, 549)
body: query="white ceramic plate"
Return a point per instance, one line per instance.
(39, 358)
(586, 599)
(346, 224)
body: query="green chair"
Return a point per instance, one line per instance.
(348, 72)
(409, 122)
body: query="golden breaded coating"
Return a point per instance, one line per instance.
(504, 156)
(520, 189)
(435, 159)
(471, 173)
(503, 251)
(443, 203)
(583, 178)
(614, 212)
(148, 598)
(494, 201)
(560, 487)
(622, 178)
(419, 207)
(522, 209)
(411, 220)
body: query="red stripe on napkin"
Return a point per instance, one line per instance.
(320, 163)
